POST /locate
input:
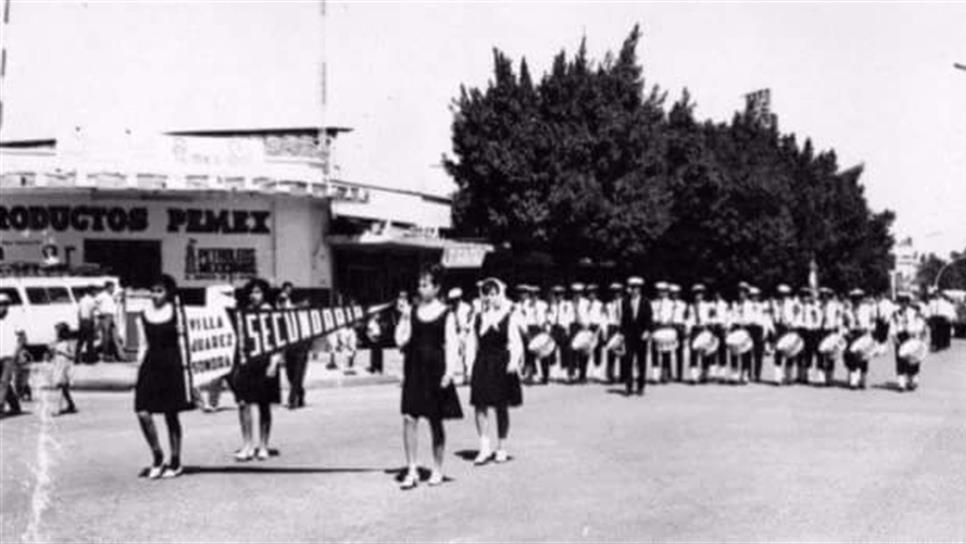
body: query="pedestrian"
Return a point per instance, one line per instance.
(106, 309)
(636, 323)
(428, 338)
(62, 361)
(86, 333)
(11, 346)
(498, 349)
(162, 386)
(908, 325)
(256, 381)
(296, 365)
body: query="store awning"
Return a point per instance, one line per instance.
(455, 253)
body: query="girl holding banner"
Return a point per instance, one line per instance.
(162, 385)
(429, 341)
(256, 381)
(498, 346)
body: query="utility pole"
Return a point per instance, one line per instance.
(3, 53)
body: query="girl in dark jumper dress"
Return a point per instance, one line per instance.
(428, 339)
(498, 349)
(162, 386)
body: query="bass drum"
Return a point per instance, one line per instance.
(863, 346)
(913, 350)
(542, 345)
(833, 343)
(790, 344)
(584, 342)
(616, 345)
(705, 343)
(739, 342)
(666, 339)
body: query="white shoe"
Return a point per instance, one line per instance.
(501, 456)
(435, 478)
(779, 375)
(155, 472)
(901, 383)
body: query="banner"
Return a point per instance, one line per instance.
(211, 343)
(263, 333)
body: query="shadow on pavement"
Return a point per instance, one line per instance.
(887, 386)
(252, 469)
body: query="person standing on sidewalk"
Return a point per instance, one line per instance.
(498, 344)
(11, 343)
(106, 311)
(161, 386)
(86, 308)
(256, 381)
(428, 339)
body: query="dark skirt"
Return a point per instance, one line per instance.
(161, 386)
(422, 395)
(492, 385)
(252, 386)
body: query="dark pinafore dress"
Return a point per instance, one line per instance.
(424, 366)
(491, 385)
(250, 382)
(162, 385)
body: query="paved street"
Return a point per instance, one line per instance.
(709, 463)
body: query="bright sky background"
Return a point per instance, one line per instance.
(876, 82)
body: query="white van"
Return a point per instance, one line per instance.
(40, 302)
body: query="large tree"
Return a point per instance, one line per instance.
(590, 164)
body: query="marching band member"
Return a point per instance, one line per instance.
(759, 325)
(831, 324)
(884, 308)
(496, 381)
(257, 382)
(741, 317)
(463, 313)
(636, 321)
(598, 323)
(810, 329)
(581, 305)
(427, 336)
(680, 322)
(787, 313)
(560, 316)
(538, 324)
(523, 310)
(720, 319)
(859, 321)
(907, 324)
(663, 312)
(699, 320)
(612, 316)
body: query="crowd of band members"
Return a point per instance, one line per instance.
(812, 313)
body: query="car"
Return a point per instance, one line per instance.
(40, 302)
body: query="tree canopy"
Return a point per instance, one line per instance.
(591, 163)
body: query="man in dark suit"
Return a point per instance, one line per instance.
(636, 319)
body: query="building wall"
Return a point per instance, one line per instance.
(204, 238)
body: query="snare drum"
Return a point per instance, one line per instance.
(705, 343)
(832, 344)
(584, 341)
(863, 346)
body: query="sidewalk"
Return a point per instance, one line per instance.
(122, 376)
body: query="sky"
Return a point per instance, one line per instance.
(873, 81)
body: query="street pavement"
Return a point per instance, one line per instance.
(683, 463)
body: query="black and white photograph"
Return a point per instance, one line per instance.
(482, 271)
